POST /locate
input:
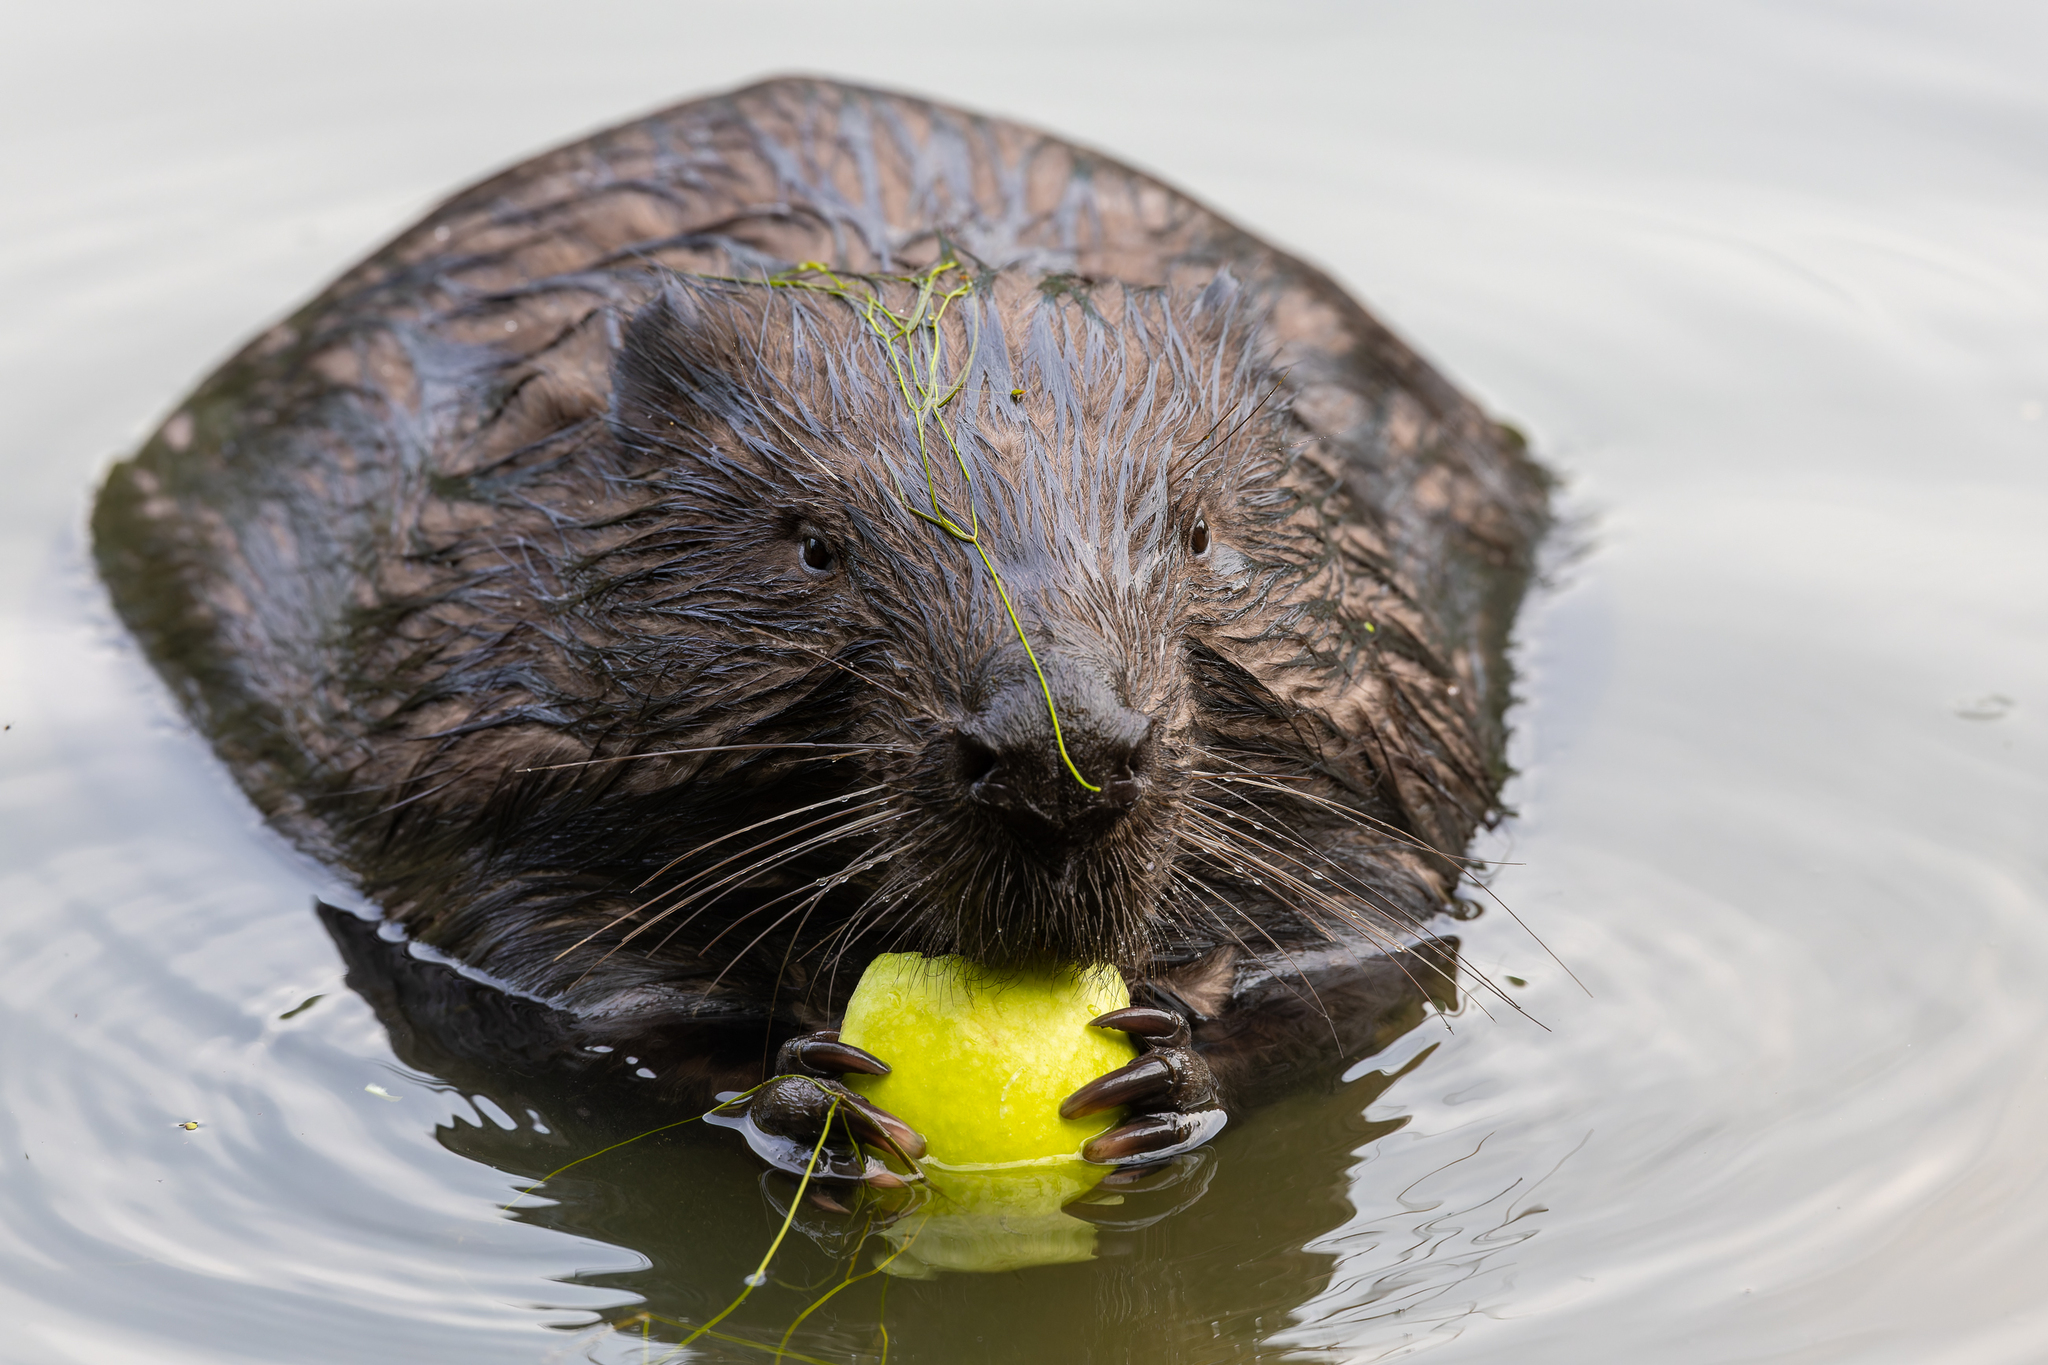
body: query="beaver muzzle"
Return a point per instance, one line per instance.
(1009, 763)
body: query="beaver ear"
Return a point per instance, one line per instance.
(675, 373)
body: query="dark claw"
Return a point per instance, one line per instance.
(822, 1054)
(1150, 1077)
(791, 1155)
(1154, 1137)
(1169, 1092)
(1167, 1078)
(1154, 1026)
(880, 1126)
(782, 1120)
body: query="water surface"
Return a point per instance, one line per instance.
(1768, 284)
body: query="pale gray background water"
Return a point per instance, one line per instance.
(1767, 282)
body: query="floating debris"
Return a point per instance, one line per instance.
(1990, 706)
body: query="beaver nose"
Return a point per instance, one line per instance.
(1007, 761)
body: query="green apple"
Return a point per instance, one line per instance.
(980, 1059)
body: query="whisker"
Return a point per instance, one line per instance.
(825, 888)
(875, 859)
(1495, 898)
(1263, 398)
(1364, 889)
(883, 688)
(1392, 831)
(679, 887)
(882, 900)
(821, 885)
(1196, 884)
(417, 775)
(785, 815)
(1270, 777)
(1460, 864)
(711, 749)
(1229, 844)
(755, 869)
(869, 915)
(1359, 885)
(1220, 846)
(1307, 915)
(623, 916)
(1469, 971)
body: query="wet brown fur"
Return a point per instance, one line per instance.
(523, 496)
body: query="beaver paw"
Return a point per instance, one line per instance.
(783, 1119)
(1171, 1095)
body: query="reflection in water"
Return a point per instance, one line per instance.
(1232, 1228)
(1423, 1279)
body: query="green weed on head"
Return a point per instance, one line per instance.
(926, 387)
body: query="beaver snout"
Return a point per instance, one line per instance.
(1008, 762)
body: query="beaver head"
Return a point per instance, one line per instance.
(995, 594)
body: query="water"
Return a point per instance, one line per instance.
(1768, 284)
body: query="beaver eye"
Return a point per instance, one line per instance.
(1198, 537)
(816, 555)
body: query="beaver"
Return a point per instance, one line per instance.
(813, 522)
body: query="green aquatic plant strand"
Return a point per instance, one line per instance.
(760, 1275)
(626, 1142)
(781, 1350)
(926, 393)
(851, 1279)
